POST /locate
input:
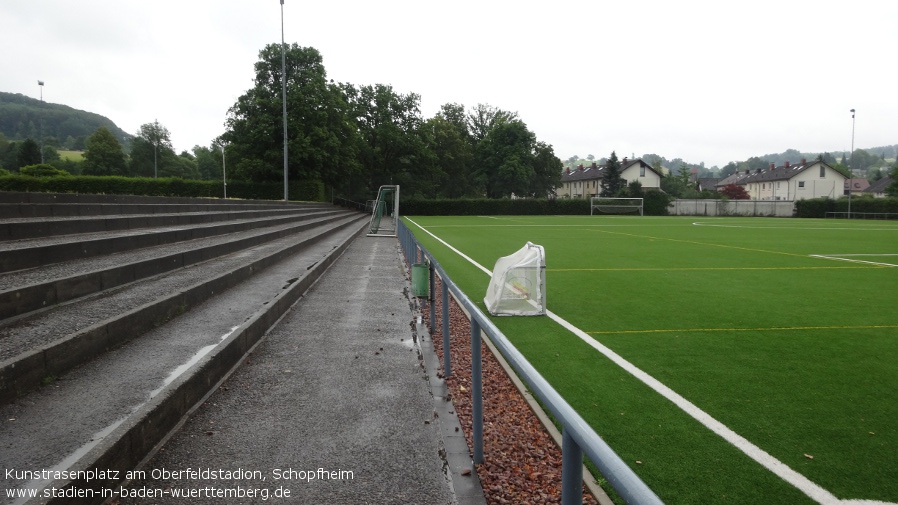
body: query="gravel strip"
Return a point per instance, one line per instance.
(522, 464)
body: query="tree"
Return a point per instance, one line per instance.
(612, 182)
(208, 162)
(546, 171)
(393, 149)
(729, 169)
(152, 154)
(892, 189)
(321, 138)
(453, 151)
(28, 153)
(634, 189)
(734, 192)
(483, 118)
(503, 160)
(862, 160)
(104, 155)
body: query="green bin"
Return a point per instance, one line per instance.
(420, 280)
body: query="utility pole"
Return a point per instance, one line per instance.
(850, 165)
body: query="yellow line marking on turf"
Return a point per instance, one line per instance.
(772, 328)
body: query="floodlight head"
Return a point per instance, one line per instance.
(40, 83)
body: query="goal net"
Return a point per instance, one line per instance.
(518, 285)
(385, 212)
(608, 205)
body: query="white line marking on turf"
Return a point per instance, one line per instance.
(841, 257)
(802, 483)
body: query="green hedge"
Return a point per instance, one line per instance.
(654, 204)
(309, 191)
(818, 207)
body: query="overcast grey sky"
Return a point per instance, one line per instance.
(707, 81)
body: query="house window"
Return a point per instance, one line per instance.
(777, 185)
(641, 171)
(801, 184)
(822, 171)
(763, 186)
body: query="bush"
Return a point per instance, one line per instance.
(818, 207)
(43, 170)
(169, 186)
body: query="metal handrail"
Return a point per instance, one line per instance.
(578, 438)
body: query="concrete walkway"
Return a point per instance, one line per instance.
(335, 406)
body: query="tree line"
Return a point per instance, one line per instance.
(356, 138)
(352, 138)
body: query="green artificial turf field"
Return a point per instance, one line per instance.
(784, 331)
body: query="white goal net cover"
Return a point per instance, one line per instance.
(518, 285)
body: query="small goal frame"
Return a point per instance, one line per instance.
(615, 205)
(385, 212)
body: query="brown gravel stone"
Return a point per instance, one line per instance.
(522, 464)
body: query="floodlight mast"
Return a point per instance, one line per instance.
(284, 96)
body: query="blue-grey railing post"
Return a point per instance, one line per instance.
(571, 470)
(433, 296)
(476, 392)
(447, 365)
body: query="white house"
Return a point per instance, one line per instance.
(585, 182)
(794, 182)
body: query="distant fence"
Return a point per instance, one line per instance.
(751, 208)
(578, 438)
(862, 215)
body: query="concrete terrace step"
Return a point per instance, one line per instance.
(46, 210)
(111, 412)
(28, 253)
(25, 228)
(50, 343)
(24, 291)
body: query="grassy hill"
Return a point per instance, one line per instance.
(21, 118)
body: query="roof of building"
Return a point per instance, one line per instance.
(595, 171)
(880, 185)
(775, 173)
(857, 184)
(709, 183)
(732, 179)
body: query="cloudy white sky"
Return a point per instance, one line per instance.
(706, 81)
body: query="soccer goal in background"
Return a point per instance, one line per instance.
(608, 205)
(385, 212)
